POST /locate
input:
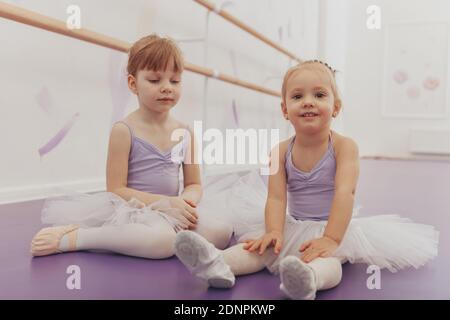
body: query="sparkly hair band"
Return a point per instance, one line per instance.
(321, 62)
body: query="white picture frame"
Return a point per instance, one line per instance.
(415, 77)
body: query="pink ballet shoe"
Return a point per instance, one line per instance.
(46, 241)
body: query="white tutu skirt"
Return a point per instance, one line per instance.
(387, 241)
(107, 208)
(103, 209)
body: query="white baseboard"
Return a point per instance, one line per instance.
(42, 191)
(430, 141)
(415, 157)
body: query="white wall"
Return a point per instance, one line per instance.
(73, 77)
(361, 60)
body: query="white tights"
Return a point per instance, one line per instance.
(328, 271)
(152, 241)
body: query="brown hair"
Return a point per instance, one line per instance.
(310, 64)
(154, 53)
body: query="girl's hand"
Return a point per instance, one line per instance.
(320, 247)
(187, 213)
(135, 203)
(273, 238)
(190, 202)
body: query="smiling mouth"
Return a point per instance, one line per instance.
(309, 115)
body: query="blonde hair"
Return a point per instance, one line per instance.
(154, 53)
(310, 64)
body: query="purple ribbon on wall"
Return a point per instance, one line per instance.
(58, 137)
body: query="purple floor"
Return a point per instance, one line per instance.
(414, 189)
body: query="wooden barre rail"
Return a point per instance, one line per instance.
(21, 15)
(210, 6)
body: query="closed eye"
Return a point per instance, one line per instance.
(153, 81)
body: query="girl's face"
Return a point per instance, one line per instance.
(157, 91)
(309, 102)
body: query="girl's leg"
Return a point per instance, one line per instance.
(327, 271)
(217, 232)
(216, 267)
(139, 240)
(301, 280)
(243, 262)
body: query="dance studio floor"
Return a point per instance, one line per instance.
(414, 189)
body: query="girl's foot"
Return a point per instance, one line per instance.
(47, 241)
(203, 260)
(298, 280)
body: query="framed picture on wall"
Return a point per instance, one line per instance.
(415, 79)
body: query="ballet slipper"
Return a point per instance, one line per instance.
(46, 241)
(298, 280)
(203, 260)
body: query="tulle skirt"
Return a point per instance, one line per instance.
(103, 209)
(107, 208)
(387, 241)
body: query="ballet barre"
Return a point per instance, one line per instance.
(28, 17)
(230, 18)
